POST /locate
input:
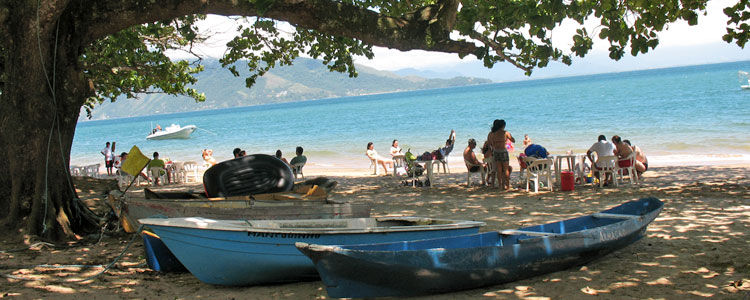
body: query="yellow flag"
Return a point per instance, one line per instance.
(135, 162)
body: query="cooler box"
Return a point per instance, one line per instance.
(567, 181)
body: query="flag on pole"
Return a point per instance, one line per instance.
(135, 162)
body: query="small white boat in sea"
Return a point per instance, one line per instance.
(172, 132)
(744, 77)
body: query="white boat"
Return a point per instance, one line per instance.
(173, 132)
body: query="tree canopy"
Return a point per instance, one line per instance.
(133, 60)
(59, 55)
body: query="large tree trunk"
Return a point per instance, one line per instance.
(41, 101)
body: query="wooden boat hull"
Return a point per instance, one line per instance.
(307, 202)
(255, 252)
(466, 262)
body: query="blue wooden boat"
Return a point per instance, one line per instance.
(158, 256)
(250, 252)
(465, 262)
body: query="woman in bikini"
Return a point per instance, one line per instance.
(497, 139)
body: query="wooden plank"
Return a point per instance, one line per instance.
(614, 216)
(534, 233)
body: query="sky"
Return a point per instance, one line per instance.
(679, 45)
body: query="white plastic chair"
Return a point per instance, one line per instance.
(605, 165)
(297, 170)
(491, 170)
(444, 162)
(156, 173)
(482, 172)
(373, 164)
(191, 171)
(399, 165)
(77, 171)
(536, 170)
(92, 170)
(631, 173)
(179, 171)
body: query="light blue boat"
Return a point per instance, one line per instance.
(250, 252)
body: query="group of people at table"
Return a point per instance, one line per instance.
(499, 144)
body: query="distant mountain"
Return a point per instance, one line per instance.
(307, 79)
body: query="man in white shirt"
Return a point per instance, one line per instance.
(602, 148)
(108, 159)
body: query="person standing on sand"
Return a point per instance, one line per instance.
(498, 138)
(109, 160)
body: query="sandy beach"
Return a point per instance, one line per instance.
(696, 249)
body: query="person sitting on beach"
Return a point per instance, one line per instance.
(124, 156)
(208, 156)
(533, 150)
(602, 148)
(471, 159)
(299, 159)
(497, 138)
(157, 162)
(641, 162)
(236, 152)
(395, 149)
(526, 140)
(449, 144)
(373, 155)
(622, 151)
(280, 157)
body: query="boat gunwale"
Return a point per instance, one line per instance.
(637, 219)
(246, 225)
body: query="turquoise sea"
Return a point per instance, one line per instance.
(683, 115)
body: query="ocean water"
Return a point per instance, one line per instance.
(684, 115)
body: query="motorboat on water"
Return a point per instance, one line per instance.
(173, 131)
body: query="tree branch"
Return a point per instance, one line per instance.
(427, 28)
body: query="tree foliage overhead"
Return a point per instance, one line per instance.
(57, 56)
(133, 60)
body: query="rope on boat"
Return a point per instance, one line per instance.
(206, 131)
(106, 267)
